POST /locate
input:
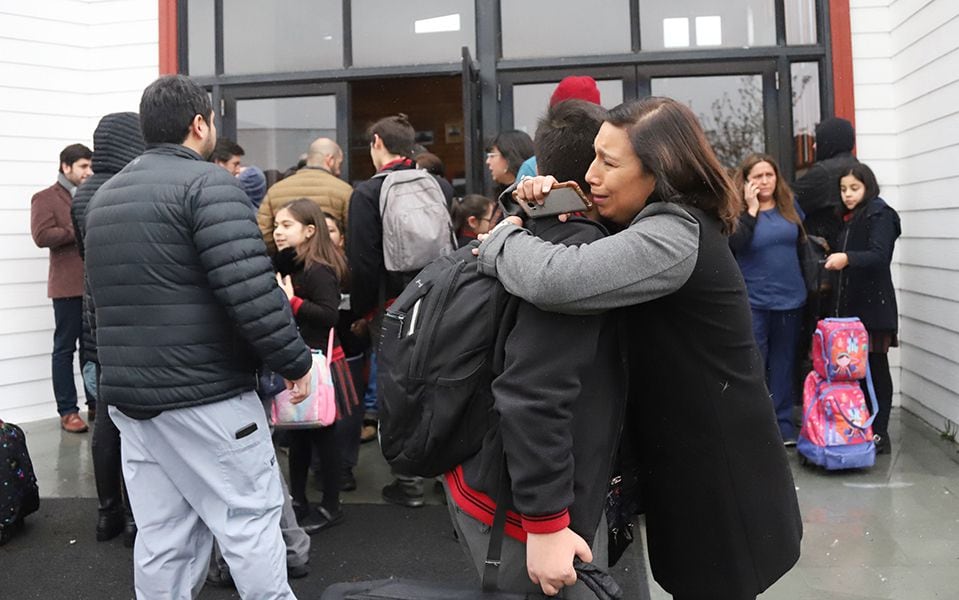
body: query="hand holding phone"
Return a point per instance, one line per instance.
(537, 199)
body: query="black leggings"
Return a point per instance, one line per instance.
(882, 383)
(301, 452)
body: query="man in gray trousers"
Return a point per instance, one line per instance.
(186, 306)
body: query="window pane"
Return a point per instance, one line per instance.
(707, 23)
(536, 29)
(729, 107)
(386, 32)
(274, 132)
(200, 38)
(801, 22)
(530, 101)
(284, 35)
(806, 112)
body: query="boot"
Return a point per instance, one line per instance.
(109, 524)
(108, 476)
(129, 524)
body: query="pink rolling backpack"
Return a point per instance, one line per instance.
(837, 425)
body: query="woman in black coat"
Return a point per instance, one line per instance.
(722, 517)
(865, 290)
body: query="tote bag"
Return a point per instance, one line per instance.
(316, 410)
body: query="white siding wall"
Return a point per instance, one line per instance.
(63, 65)
(906, 71)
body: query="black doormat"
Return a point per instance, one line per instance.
(57, 556)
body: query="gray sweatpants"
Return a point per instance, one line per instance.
(474, 538)
(190, 479)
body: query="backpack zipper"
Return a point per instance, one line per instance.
(418, 362)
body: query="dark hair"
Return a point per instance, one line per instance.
(168, 107)
(397, 134)
(670, 144)
(863, 173)
(319, 249)
(564, 140)
(782, 194)
(472, 205)
(337, 222)
(225, 149)
(431, 163)
(73, 153)
(515, 146)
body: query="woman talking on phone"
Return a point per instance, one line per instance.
(721, 510)
(766, 246)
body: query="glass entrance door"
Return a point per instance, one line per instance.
(275, 126)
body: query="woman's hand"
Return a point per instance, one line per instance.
(549, 559)
(535, 189)
(837, 261)
(751, 196)
(286, 284)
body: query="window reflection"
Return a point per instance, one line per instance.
(283, 35)
(274, 132)
(386, 32)
(200, 38)
(531, 100)
(801, 22)
(707, 23)
(540, 29)
(806, 112)
(730, 109)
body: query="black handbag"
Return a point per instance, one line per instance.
(813, 251)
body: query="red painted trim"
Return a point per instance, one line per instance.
(168, 41)
(841, 37)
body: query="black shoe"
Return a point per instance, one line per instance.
(397, 493)
(301, 510)
(883, 445)
(324, 519)
(347, 481)
(129, 532)
(109, 525)
(297, 572)
(220, 579)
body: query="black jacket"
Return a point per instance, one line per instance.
(722, 518)
(316, 298)
(558, 407)
(185, 296)
(865, 287)
(116, 141)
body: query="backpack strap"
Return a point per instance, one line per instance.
(490, 578)
(872, 395)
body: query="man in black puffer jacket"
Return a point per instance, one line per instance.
(186, 307)
(116, 140)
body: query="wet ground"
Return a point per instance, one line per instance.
(890, 532)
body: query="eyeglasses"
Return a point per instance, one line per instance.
(490, 155)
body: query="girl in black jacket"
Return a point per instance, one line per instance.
(865, 290)
(310, 269)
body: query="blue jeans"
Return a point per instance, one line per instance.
(68, 320)
(777, 335)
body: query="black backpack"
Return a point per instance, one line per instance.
(441, 347)
(19, 495)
